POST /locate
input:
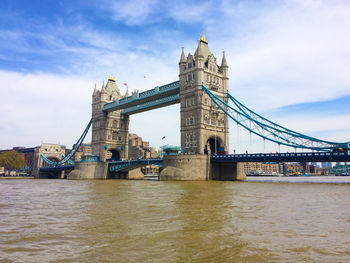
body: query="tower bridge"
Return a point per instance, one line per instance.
(202, 91)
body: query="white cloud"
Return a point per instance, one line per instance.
(135, 12)
(298, 51)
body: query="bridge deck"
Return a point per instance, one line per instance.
(284, 157)
(56, 168)
(118, 166)
(155, 98)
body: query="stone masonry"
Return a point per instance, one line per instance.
(203, 124)
(109, 130)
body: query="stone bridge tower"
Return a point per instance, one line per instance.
(204, 127)
(109, 130)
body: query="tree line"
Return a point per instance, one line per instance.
(12, 160)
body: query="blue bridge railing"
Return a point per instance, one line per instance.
(126, 165)
(284, 157)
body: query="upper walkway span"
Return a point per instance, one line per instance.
(151, 99)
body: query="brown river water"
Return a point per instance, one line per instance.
(151, 221)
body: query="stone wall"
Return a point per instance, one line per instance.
(88, 170)
(228, 171)
(197, 167)
(185, 167)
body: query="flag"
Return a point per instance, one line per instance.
(144, 76)
(125, 84)
(163, 138)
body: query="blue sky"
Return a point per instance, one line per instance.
(289, 60)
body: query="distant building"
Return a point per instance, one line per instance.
(85, 149)
(340, 169)
(262, 168)
(326, 165)
(314, 164)
(140, 149)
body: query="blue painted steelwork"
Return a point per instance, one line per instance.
(143, 97)
(284, 157)
(118, 166)
(269, 130)
(72, 152)
(56, 168)
(71, 162)
(162, 102)
(92, 158)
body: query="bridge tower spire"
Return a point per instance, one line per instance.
(204, 126)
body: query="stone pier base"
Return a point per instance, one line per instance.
(228, 171)
(185, 167)
(198, 168)
(89, 170)
(135, 174)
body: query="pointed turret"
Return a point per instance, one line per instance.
(183, 58)
(199, 52)
(103, 89)
(202, 49)
(127, 91)
(95, 90)
(223, 61)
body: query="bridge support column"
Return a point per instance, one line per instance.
(89, 170)
(194, 167)
(61, 175)
(198, 167)
(228, 171)
(135, 174)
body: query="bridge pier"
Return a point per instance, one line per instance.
(189, 167)
(89, 170)
(135, 174)
(198, 167)
(228, 171)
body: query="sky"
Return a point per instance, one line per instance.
(289, 60)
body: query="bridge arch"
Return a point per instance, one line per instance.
(214, 144)
(115, 155)
(51, 158)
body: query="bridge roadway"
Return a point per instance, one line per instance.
(284, 157)
(57, 168)
(119, 166)
(151, 99)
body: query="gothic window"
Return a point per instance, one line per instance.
(114, 136)
(119, 138)
(189, 77)
(189, 65)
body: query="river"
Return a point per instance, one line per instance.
(151, 221)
